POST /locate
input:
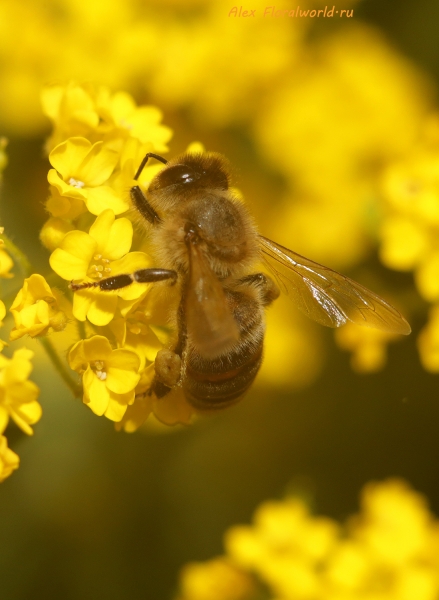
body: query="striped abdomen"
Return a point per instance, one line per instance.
(211, 384)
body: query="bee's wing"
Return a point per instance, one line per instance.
(210, 324)
(326, 296)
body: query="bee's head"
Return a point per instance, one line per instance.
(190, 173)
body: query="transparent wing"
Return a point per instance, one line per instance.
(210, 324)
(326, 296)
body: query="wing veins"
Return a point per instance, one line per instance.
(327, 296)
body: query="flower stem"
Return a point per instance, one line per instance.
(75, 388)
(19, 256)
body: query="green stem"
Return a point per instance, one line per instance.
(75, 388)
(19, 256)
(81, 329)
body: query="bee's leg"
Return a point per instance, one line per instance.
(167, 373)
(143, 206)
(120, 281)
(266, 286)
(168, 363)
(167, 367)
(138, 197)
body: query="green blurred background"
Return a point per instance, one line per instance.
(94, 513)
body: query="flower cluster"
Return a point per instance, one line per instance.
(98, 142)
(389, 551)
(18, 395)
(18, 401)
(409, 232)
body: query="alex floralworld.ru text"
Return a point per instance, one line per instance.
(270, 11)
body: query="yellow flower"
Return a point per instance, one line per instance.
(61, 206)
(122, 117)
(216, 579)
(428, 342)
(427, 277)
(173, 409)
(348, 568)
(37, 309)
(9, 461)
(142, 328)
(53, 232)
(395, 524)
(404, 243)
(18, 396)
(409, 241)
(72, 109)
(109, 376)
(6, 264)
(134, 333)
(101, 253)
(137, 413)
(368, 346)
(2, 316)
(81, 170)
(95, 113)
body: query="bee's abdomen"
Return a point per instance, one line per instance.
(211, 384)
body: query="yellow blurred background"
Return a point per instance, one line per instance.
(332, 128)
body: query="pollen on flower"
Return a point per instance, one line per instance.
(99, 267)
(98, 367)
(75, 183)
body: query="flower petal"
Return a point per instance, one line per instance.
(97, 165)
(82, 302)
(102, 309)
(100, 198)
(63, 188)
(97, 348)
(118, 405)
(96, 391)
(113, 237)
(71, 260)
(4, 418)
(173, 409)
(121, 381)
(68, 157)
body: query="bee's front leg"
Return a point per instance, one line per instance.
(139, 199)
(120, 281)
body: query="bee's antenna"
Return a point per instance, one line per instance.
(145, 160)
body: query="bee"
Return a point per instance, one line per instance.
(206, 242)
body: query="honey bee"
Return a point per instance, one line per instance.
(206, 242)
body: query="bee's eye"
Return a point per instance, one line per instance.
(177, 174)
